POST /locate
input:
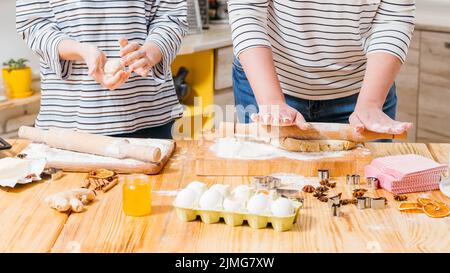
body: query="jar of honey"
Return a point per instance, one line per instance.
(137, 195)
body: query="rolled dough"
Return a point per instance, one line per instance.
(112, 67)
(297, 145)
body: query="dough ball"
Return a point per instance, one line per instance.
(112, 67)
(298, 145)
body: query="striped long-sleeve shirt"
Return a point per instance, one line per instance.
(70, 97)
(320, 47)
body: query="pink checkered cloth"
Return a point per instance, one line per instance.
(406, 173)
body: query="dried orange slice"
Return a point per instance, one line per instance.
(410, 207)
(425, 201)
(436, 211)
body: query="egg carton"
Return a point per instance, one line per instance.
(279, 224)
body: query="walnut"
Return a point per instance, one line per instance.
(308, 189)
(400, 197)
(323, 198)
(332, 185)
(357, 193)
(322, 188)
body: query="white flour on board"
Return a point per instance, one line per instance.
(233, 148)
(295, 181)
(42, 151)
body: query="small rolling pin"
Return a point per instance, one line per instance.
(119, 148)
(319, 131)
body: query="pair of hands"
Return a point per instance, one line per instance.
(369, 117)
(139, 59)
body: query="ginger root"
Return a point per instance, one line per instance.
(74, 200)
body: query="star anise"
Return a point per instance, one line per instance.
(308, 189)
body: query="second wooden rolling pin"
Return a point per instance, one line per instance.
(319, 131)
(91, 144)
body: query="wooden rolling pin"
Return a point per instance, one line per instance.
(119, 148)
(319, 131)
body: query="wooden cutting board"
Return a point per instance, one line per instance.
(349, 162)
(92, 162)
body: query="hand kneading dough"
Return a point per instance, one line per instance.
(112, 67)
(297, 145)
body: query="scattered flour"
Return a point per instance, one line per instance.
(233, 148)
(295, 181)
(167, 193)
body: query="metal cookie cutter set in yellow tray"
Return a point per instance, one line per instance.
(257, 206)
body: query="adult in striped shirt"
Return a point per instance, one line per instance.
(324, 61)
(74, 39)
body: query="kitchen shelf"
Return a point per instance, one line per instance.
(13, 103)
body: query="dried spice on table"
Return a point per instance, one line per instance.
(345, 202)
(357, 193)
(318, 194)
(400, 197)
(101, 179)
(308, 189)
(327, 183)
(322, 189)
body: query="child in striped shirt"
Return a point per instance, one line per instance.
(74, 39)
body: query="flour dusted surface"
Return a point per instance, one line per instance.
(233, 148)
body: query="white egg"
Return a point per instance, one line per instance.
(198, 187)
(233, 204)
(223, 189)
(187, 198)
(259, 204)
(242, 193)
(211, 200)
(282, 207)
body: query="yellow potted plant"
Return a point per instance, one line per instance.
(17, 79)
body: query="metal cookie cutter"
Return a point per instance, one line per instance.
(353, 180)
(336, 210)
(362, 202)
(291, 194)
(334, 200)
(266, 182)
(373, 203)
(373, 183)
(378, 203)
(323, 175)
(348, 180)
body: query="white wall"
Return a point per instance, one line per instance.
(11, 45)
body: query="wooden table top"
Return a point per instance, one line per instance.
(28, 225)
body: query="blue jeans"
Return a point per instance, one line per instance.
(335, 110)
